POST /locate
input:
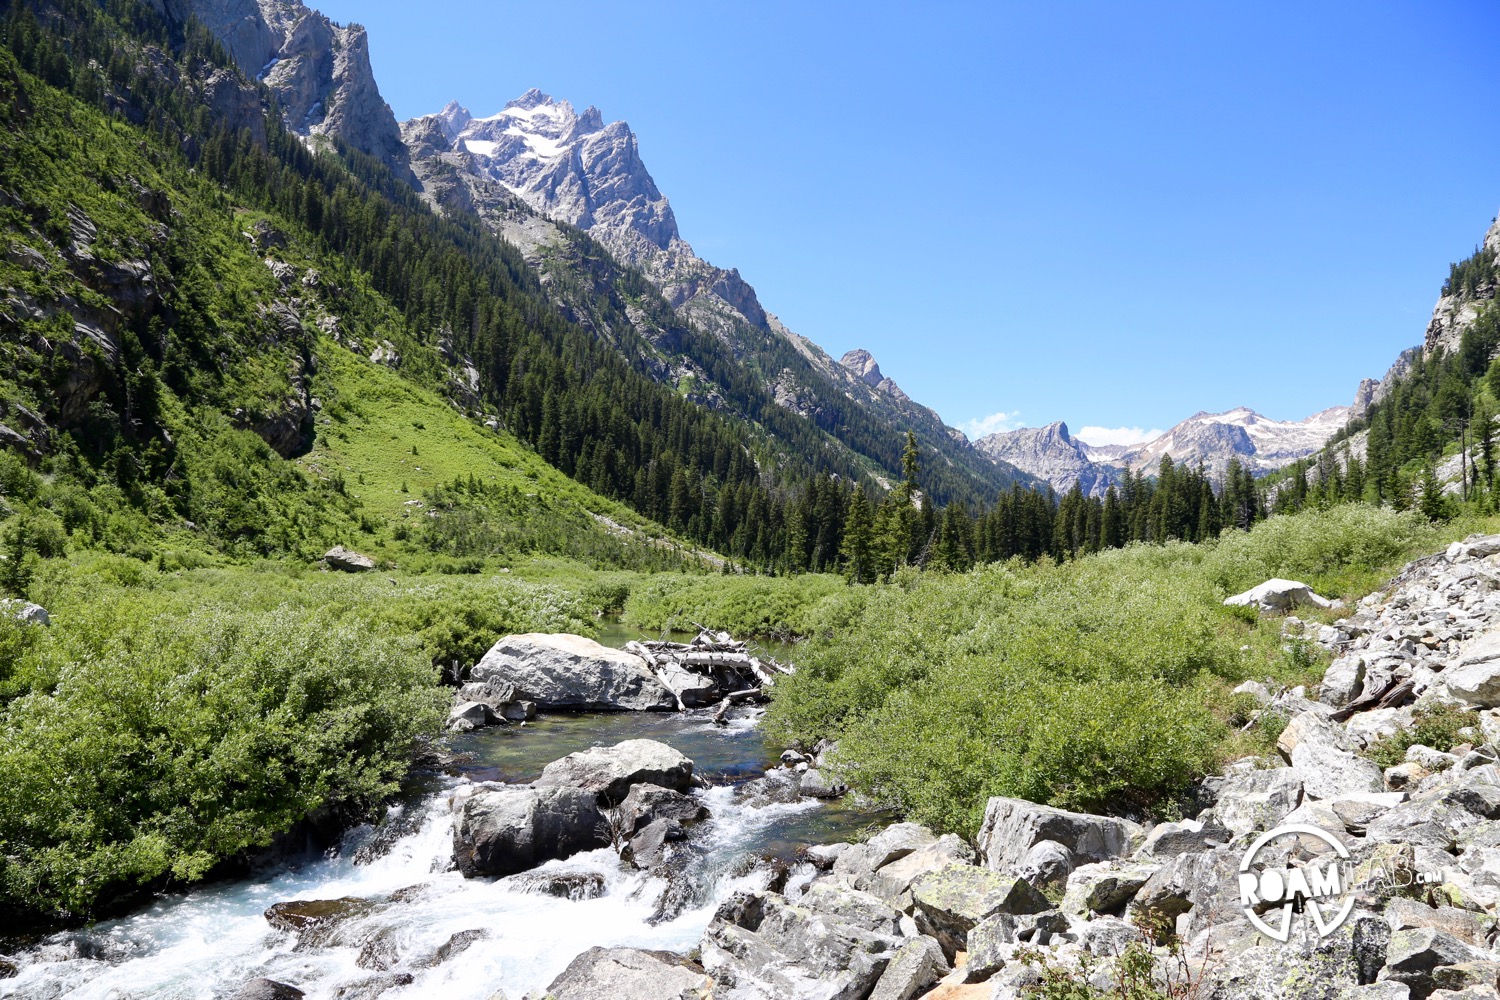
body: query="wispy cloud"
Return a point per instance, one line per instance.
(1116, 435)
(992, 424)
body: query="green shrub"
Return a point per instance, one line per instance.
(744, 605)
(1099, 683)
(1437, 727)
(170, 743)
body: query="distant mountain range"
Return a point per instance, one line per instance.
(1261, 444)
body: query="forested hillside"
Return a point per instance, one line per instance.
(1429, 440)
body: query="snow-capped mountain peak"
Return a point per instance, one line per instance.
(1209, 439)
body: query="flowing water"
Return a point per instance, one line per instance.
(209, 942)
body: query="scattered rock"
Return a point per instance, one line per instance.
(917, 965)
(1106, 886)
(562, 883)
(951, 900)
(818, 786)
(348, 560)
(645, 803)
(1322, 753)
(267, 989)
(1414, 957)
(312, 919)
(760, 945)
(467, 716)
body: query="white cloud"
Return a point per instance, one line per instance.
(1116, 435)
(992, 424)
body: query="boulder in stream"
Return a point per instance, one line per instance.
(563, 671)
(505, 830)
(315, 920)
(608, 772)
(267, 989)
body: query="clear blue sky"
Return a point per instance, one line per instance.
(1113, 214)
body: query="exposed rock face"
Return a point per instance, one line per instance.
(1051, 453)
(626, 974)
(502, 831)
(319, 71)
(576, 169)
(538, 168)
(862, 363)
(570, 672)
(1456, 312)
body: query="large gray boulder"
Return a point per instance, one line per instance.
(348, 560)
(760, 946)
(646, 803)
(562, 671)
(1013, 826)
(1324, 756)
(626, 974)
(1278, 595)
(506, 830)
(25, 611)
(608, 772)
(948, 902)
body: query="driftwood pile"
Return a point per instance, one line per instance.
(713, 666)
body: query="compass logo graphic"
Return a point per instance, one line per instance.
(1271, 897)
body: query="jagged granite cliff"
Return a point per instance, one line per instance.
(1052, 454)
(1456, 310)
(318, 71)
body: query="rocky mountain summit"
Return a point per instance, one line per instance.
(318, 70)
(1209, 439)
(1052, 454)
(862, 363)
(576, 169)
(538, 172)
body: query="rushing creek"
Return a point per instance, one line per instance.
(209, 942)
